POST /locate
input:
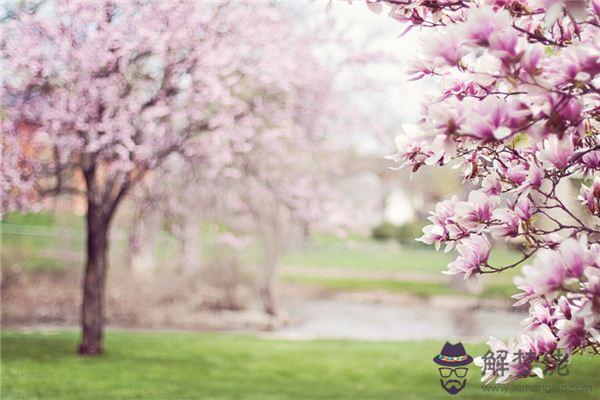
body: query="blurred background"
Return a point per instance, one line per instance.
(186, 255)
(215, 276)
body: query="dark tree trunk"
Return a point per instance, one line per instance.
(94, 281)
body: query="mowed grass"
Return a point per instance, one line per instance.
(220, 366)
(42, 241)
(381, 256)
(501, 289)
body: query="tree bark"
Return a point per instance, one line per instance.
(94, 282)
(270, 299)
(268, 290)
(188, 233)
(143, 258)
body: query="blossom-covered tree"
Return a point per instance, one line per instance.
(518, 111)
(105, 92)
(275, 171)
(282, 175)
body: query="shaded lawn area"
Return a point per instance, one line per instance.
(222, 366)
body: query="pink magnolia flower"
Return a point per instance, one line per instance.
(561, 112)
(535, 175)
(474, 252)
(494, 119)
(520, 353)
(540, 313)
(443, 227)
(444, 211)
(418, 69)
(545, 341)
(411, 152)
(592, 286)
(519, 102)
(594, 255)
(478, 209)
(504, 43)
(573, 253)
(523, 208)
(496, 346)
(492, 185)
(556, 151)
(546, 275)
(508, 224)
(433, 234)
(461, 89)
(531, 60)
(591, 161)
(516, 173)
(595, 7)
(447, 46)
(579, 63)
(527, 294)
(445, 117)
(590, 196)
(483, 22)
(572, 333)
(564, 308)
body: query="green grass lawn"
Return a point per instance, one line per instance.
(222, 366)
(381, 256)
(42, 241)
(500, 289)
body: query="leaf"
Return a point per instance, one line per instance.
(519, 140)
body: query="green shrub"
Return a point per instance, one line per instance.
(385, 231)
(407, 233)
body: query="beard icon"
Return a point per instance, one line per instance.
(453, 386)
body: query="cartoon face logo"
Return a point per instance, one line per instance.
(453, 374)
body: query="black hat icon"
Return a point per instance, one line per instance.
(453, 355)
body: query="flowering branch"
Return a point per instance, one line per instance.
(519, 115)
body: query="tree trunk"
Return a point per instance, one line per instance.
(268, 292)
(269, 298)
(143, 258)
(188, 233)
(94, 282)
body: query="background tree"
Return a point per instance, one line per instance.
(275, 173)
(106, 91)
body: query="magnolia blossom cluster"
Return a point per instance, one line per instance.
(562, 288)
(518, 113)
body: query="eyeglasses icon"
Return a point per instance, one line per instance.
(459, 372)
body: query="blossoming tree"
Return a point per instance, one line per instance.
(106, 91)
(518, 111)
(274, 173)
